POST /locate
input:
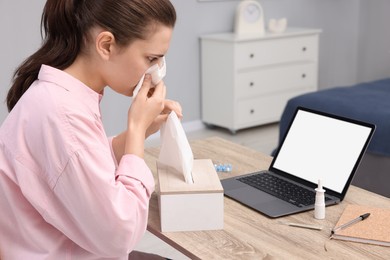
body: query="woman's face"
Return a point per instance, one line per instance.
(128, 64)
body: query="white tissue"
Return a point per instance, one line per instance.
(175, 149)
(157, 72)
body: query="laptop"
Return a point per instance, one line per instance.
(317, 146)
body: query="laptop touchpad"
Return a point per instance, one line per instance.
(250, 196)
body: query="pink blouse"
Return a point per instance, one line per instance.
(62, 193)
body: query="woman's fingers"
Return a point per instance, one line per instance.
(146, 85)
(171, 105)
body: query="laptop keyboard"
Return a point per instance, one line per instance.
(281, 189)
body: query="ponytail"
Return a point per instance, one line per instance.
(67, 22)
(61, 44)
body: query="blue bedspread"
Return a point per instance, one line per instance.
(369, 102)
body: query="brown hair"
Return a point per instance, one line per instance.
(66, 24)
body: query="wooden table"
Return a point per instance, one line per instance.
(248, 234)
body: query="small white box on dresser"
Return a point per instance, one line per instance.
(190, 207)
(247, 81)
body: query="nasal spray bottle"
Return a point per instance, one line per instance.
(319, 206)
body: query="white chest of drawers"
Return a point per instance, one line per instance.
(247, 82)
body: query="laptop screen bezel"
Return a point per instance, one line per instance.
(314, 185)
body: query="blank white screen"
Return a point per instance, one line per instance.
(319, 147)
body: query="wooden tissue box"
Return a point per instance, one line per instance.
(190, 207)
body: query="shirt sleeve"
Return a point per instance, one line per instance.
(103, 212)
(112, 151)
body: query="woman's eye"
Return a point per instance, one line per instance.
(151, 59)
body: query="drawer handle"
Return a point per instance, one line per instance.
(303, 75)
(251, 56)
(252, 111)
(304, 48)
(251, 84)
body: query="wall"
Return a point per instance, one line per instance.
(350, 51)
(374, 40)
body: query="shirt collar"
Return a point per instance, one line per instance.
(70, 83)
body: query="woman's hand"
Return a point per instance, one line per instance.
(169, 106)
(142, 114)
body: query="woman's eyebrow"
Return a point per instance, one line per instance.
(158, 55)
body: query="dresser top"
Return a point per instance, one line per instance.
(232, 37)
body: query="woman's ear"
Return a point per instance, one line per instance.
(105, 42)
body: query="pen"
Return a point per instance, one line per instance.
(302, 225)
(353, 221)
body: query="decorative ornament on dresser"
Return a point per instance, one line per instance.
(277, 25)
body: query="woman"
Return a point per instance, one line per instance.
(66, 190)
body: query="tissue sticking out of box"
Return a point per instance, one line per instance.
(175, 150)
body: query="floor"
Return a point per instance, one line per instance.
(263, 139)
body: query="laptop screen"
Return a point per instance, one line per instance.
(318, 146)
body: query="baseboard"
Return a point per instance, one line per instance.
(190, 126)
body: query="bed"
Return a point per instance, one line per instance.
(368, 102)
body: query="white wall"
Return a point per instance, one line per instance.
(354, 45)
